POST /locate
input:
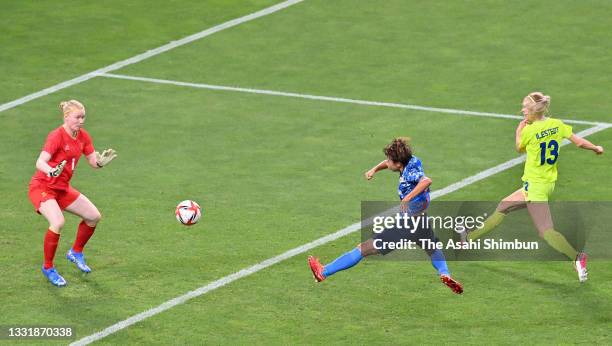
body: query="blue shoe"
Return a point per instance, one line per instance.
(78, 259)
(54, 277)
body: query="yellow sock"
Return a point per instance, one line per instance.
(490, 223)
(558, 242)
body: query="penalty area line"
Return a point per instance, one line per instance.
(149, 53)
(296, 251)
(335, 99)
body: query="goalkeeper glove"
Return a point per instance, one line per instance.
(105, 158)
(57, 170)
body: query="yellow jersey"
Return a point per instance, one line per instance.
(542, 142)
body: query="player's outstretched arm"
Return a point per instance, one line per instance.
(42, 164)
(379, 167)
(585, 144)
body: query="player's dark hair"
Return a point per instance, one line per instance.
(398, 151)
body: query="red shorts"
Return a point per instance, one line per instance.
(39, 193)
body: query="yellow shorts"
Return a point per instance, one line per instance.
(537, 192)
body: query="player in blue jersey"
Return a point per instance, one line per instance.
(413, 191)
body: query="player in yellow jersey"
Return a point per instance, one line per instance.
(540, 137)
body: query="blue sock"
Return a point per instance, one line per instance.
(438, 261)
(345, 261)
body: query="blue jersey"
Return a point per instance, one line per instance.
(409, 178)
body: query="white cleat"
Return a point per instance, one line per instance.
(580, 264)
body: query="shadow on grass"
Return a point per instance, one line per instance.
(594, 302)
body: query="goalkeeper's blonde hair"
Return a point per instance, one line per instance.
(67, 106)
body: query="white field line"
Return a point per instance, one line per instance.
(335, 99)
(150, 53)
(294, 252)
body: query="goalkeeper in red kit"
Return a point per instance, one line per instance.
(51, 193)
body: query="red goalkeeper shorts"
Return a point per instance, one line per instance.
(39, 193)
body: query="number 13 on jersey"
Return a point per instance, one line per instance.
(554, 152)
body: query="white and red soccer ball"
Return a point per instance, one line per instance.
(188, 212)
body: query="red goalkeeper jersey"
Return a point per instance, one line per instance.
(62, 146)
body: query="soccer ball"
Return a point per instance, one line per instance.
(188, 212)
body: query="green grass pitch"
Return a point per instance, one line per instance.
(273, 173)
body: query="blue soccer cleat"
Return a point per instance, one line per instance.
(54, 277)
(78, 259)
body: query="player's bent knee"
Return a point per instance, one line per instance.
(57, 225)
(93, 219)
(542, 231)
(97, 217)
(367, 248)
(502, 207)
(508, 206)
